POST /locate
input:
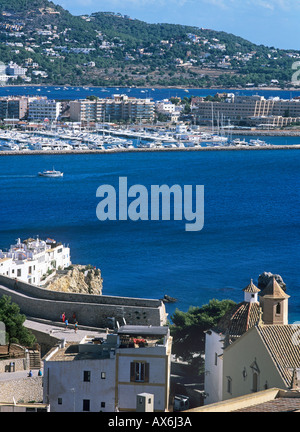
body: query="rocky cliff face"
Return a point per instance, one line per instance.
(265, 278)
(78, 279)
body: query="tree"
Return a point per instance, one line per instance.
(188, 327)
(13, 320)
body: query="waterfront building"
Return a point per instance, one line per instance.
(107, 375)
(119, 107)
(40, 109)
(252, 347)
(33, 260)
(243, 108)
(13, 108)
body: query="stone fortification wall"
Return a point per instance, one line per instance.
(22, 390)
(90, 310)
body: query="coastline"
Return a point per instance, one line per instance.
(138, 150)
(180, 87)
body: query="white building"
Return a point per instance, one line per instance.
(108, 376)
(32, 260)
(15, 70)
(165, 106)
(235, 323)
(3, 78)
(41, 109)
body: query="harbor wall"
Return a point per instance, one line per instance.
(166, 149)
(90, 310)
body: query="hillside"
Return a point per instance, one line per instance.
(107, 49)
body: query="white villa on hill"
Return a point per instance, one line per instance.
(33, 260)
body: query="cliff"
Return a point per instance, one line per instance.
(77, 279)
(266, 277)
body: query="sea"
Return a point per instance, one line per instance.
(251, 215)
(69, 92)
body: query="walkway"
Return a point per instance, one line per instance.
(58, 331)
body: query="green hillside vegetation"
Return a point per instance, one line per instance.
(114, 50)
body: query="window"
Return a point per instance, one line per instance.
(102, 404)
(216, 359)
(139, 371)
(19, 272)
(278, 308)
(87, 376)
(59, 401)
(103, 375)
(229, 385)
(86, 405)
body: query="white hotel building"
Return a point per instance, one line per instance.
(33, 260)
(43, 108)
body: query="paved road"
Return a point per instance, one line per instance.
(60, 332)
(8, 376)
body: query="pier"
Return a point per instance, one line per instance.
(151, 149)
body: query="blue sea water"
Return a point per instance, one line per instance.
(69, 92)
(251, 220)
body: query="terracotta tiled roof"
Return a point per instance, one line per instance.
(251, 288)
(274, 290)
(277, 405)
(283, 345)
(238, 320)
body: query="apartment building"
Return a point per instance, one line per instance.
(31, 260)
(107, 375)
(13, 108)
(119, 107)
(237, 108)
(42, 108)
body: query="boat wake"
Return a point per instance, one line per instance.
(16, 176)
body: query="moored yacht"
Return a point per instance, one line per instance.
(239, 142)
(10, 146)
(257, 142)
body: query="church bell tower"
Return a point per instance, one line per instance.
(274, 304)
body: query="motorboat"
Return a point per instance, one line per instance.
(51, 173)
(239, 142)
(10, 146)
(257, 142)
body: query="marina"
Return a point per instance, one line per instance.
(112, 139)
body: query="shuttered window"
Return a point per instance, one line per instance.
(139, 371)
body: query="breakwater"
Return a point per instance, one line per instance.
(159, 149)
